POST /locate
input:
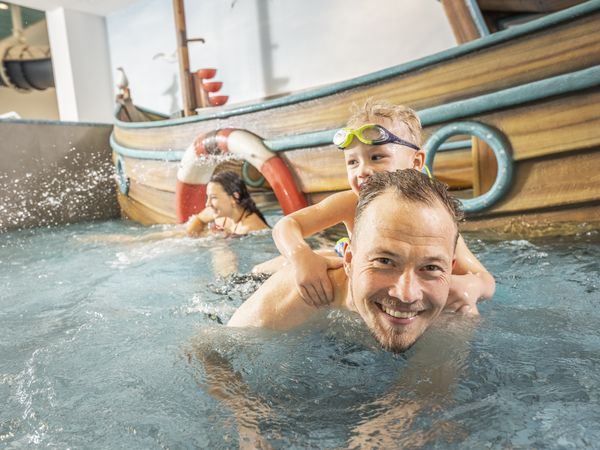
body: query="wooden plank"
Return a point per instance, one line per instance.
(485, 167)
(130, 209)
(563, 180)
(562, 222)
(553, 126)
(566, 48)
(455, 168)
(542, 6)
(556, 125)
(160, 175)
(161, 202)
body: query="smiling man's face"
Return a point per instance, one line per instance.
(399, 267)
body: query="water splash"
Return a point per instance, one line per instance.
(57, 195)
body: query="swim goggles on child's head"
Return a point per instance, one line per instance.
(370, 134)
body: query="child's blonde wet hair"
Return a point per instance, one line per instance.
(401, 116)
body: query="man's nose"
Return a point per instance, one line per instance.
(407, 288)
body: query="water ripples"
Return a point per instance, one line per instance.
(101, 344)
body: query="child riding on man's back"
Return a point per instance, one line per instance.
(379, 137)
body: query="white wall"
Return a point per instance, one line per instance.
(80, 60)
(269, 47)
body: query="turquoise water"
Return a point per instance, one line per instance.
(100, 343)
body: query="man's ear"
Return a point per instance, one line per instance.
(453, 264)
(348, 259)
(419, 160)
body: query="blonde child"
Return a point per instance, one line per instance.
(379, 137)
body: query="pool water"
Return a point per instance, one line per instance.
(101, 342)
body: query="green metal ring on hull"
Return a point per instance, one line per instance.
(499, 144)
(259, 182)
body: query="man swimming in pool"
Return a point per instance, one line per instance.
(397, 268)
(396, 277)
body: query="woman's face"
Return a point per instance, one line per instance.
(222, 203)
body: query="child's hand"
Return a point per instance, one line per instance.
(310, 270)
(461, 298)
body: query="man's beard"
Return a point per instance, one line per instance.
(392, 340)
(389, 338)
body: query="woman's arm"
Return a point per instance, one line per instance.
(196, 225)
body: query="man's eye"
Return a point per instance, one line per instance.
(432, 268)
(383, 261)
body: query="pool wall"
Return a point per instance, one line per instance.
(54, 173)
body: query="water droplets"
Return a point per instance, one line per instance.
(80, 189)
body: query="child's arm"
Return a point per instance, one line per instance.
(470, 281)
(310, 269)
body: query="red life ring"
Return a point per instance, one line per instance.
(197, 168)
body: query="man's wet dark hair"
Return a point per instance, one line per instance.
(232, 184)
(411, 185)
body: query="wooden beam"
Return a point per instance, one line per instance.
(461, 22)
(561, 181)
(485, 167)
(187, 83)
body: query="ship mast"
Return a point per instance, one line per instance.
(187, 83)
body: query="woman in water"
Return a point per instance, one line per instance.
(229, 209)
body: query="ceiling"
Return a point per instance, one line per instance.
(98, 7)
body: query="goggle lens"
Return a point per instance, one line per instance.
(373, 134)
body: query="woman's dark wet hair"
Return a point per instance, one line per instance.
(232, 183)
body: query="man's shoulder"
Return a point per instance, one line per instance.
(275, 305)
